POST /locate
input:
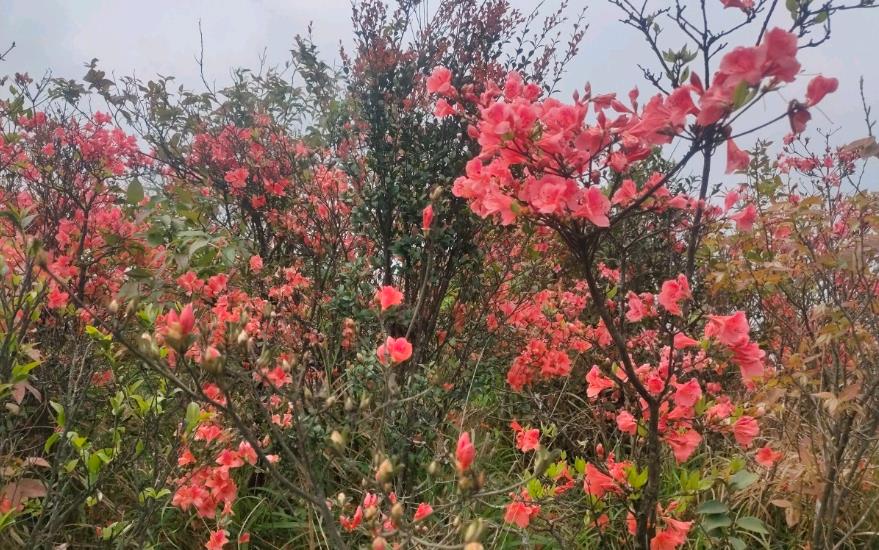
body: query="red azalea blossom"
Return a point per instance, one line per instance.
(766, 457)
(217, 540)
(673, 292)
(683, 444)
(520, 513)
(440, 81)
(387, 296)
(819, 87)
(57, 299)
(395, 349)
(426, 217)
(743, 5)
(424, 510)
(465, 453)
(526, 440)
(736, 159)
(745, 430)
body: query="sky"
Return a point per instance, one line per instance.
(162, 37)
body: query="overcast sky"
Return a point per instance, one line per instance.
(161, 37)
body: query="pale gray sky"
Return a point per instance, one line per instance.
(161, 36)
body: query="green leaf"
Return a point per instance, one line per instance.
(737, 543)
(750, 523)
(60, 417)
(197, 245)
(193, 412)
(740, 94)
(140, 273)
(637, 479)
(135, 192)
(717, 521)
(94, 464)
(20, 372)
(712, 507)
(50, 442)
(535, 488)
(742, 479)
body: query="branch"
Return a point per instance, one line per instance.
(9, 49)
(867, 109)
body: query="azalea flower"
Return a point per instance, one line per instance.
(597, 483)
(745, 430)
(672, 293)
(519, 513)
(397, 349)
(526, 440)
(442, 109)
(350, 524)
(57, 299)
(682, 341)
(766, 457)
(627, 423)
(217, 540)
(465, 453)
(736, 159)
(388, 296)
(424, 510)
(729, 330)
(746, 218)
(440, 81)
(426, 217)
(688, 393)
(596, 382)
(819, 87)
(683, 444)
(743, 5)
(237, 179)
(593, 206)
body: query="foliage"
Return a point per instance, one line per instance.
(423, 302)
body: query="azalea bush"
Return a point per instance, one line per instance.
(424, 300)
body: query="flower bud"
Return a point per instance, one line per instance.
(212, 360)
(474, 530)
(465, 483)
(397, 512)
(385, 471)
(338, 441)
(42, 259)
